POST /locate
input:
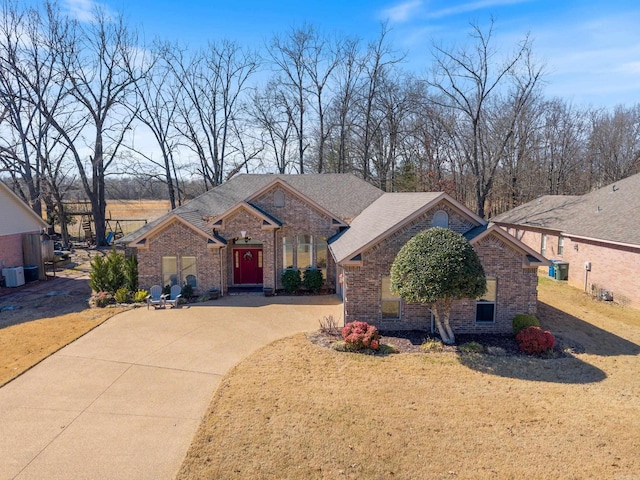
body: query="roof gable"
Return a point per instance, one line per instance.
(18, 216)
(268, 221)
(279, 182)
(140, 241)
(530, 258)
(387, 215)
(608, 214)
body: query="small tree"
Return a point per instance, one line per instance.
(436, 267)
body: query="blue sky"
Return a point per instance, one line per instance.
(591, 48)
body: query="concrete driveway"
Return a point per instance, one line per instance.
(125, 400)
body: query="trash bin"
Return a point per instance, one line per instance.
(30, 273)
(562, 271)
(552, 268)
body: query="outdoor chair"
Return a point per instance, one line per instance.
(155, 297)
(174, 296)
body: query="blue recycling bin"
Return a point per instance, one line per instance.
(552, 268)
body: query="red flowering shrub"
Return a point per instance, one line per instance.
(533, 340)
(361, 335)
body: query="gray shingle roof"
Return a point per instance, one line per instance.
(344, 195)
(380, 217)
(610, 213)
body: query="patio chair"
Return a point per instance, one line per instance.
(174, 296)
(155, 297)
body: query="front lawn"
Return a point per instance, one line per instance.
(298, 410)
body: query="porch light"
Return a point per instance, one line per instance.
(243, 233)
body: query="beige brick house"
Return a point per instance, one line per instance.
(598, 234)
(245, 232)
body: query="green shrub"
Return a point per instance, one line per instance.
(140, 296)
(313, 279)
(116, 276)
(187, 291)
(471, 347)
(523, 321)
(121, 295)
(166, 290)
(131, 273)
(99, 276)
(291, 280)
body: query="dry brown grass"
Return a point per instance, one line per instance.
(297, 410)
(26, 344)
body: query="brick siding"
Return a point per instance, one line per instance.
(11, 250)
(614, 268)
(517, 287)
(178, 239)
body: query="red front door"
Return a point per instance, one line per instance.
(247, 266)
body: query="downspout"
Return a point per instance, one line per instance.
(221, 278)
(275, 261)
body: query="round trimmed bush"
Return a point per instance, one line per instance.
(291, 280)
(523, 321)
(313, 279)
(361, 335)
(534, 341)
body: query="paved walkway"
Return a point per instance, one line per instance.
(125, 400)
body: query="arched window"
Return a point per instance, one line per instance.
(278, 198)
(440, 219)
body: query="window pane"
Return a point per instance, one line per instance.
(169, 270)
(390, 302)
(390, 309)
(440, 219)
(486, 305)
(287, 252)
(189, 272)
(386, 289)
(490, 296)
(560, 245)
(304, 251)
(485, 311)
(321, 255)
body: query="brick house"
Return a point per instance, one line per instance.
(16, 220)
(598, 234)
(245, 232)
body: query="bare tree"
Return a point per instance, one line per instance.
(157, 109)
(212, 84)
(273, 117)
(489, 96)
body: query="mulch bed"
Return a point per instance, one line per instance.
(410, 341)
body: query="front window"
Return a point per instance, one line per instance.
(321, 255)
(304, 251)
(486, 305)
(170, 270)
(287, 252)
(390, 302)
(188, 272)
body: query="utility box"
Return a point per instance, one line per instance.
(30, 273)
(14, 276)
(562, 271)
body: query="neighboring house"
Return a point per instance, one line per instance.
(16, 220)
(246, 231)
(598, 234)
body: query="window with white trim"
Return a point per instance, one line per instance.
(389, 301)
(278, 199)
(304, 251)
(321, 254)
(486, 305)
(560, 245)
(543, 245)
(179, 270)
(287, 252)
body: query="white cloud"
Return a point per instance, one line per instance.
(471, 7)
(402, 12)
(85, 10)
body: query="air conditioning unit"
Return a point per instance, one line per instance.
(14, 276)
